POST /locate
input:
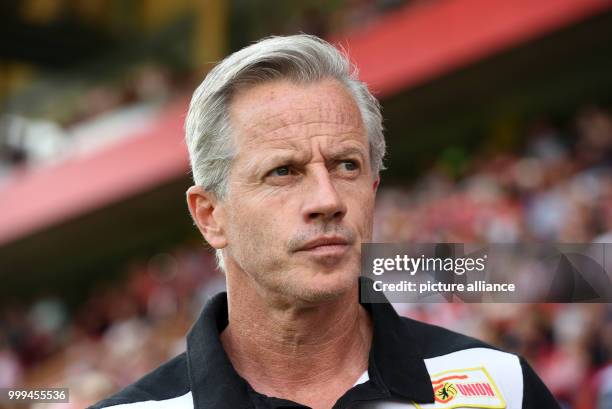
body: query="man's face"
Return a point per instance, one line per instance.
(301, 190)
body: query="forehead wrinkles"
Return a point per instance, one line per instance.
(284, 115)
(271, 106)
(324, 116)
(303, 123)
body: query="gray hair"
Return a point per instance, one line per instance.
(300, 58)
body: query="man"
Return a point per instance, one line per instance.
(286, 146)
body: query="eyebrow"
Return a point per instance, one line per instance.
(345, 151)
(256, 164)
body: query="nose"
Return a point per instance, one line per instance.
(322, 200)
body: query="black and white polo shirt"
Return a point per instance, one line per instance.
(412, 365)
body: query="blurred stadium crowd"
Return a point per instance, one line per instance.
(551, 190)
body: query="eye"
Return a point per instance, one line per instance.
(280, 171)
(350, 165)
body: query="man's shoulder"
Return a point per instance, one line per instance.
(449, 354)
(443, 348)
(436, 341)
(165, 387)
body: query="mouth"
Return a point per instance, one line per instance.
(326, 246)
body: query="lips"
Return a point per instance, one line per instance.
(324, 242)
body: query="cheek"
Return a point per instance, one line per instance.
(361, 199)
(254, 227)
(367, 217)
(256, 244)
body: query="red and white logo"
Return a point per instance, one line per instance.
(464, 388)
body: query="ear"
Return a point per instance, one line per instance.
(376, 184)
(208, 215)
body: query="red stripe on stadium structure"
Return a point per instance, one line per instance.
(420, 42)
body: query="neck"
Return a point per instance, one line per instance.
(288, 350)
